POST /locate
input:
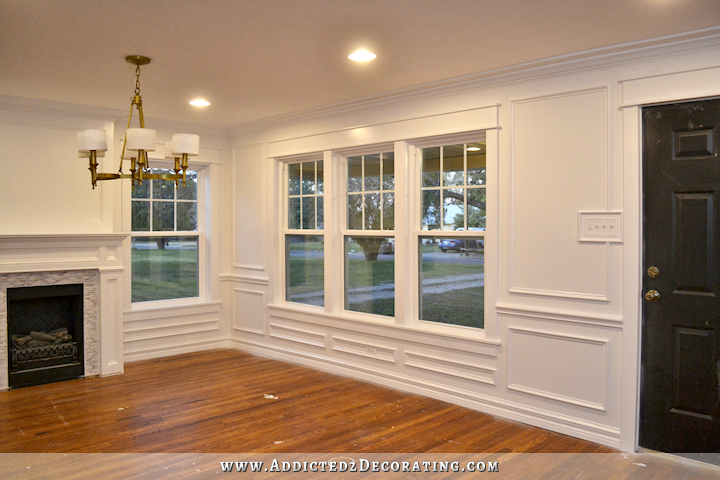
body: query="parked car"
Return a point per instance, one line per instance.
(450, 244)
(461, 245)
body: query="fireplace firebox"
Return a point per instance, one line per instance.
(45, 334)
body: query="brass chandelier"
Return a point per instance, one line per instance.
(138, 141)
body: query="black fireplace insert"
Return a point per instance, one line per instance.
(45, 334)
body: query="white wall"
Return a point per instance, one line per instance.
(560, 348)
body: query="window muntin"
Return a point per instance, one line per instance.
(452, 286)
(371, 192)
(305, 269)
(453, 187)
(370, 275)
(165, 265)
(305, 197)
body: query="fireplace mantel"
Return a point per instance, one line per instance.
(73, 252)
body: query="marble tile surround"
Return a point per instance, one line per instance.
(91, 324)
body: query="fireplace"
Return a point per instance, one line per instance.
(94, 261)
(45, 332)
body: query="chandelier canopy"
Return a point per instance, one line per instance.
(138, 141)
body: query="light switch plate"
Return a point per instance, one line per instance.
(600, 227)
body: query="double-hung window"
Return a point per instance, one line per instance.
(165, 239)
(304, 237)
(369, 241)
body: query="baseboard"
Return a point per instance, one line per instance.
(552, 421)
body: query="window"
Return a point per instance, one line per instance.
(304, 240)
(165, 239)
(401, 243)
(370, 259)
(451, 275)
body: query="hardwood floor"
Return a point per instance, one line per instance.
(215, 401)
(224, 401)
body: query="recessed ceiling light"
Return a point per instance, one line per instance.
(361, 56)
(473, 149)
(200, 103)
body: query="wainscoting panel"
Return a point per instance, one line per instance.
(363, 348)
(297, 334)
(454, 368)
(565, 368)
(249, 197)
(248, 311)
(558, 168)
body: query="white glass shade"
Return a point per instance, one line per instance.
(140, 139)
(185, 143)
(92, 139)
(130, 154)
(168, 150)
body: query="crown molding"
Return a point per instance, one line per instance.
(627, 53)
(32, 105)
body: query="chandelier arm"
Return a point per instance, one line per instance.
(122, 155)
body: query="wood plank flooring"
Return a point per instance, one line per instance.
(196, 406)
(215, 401)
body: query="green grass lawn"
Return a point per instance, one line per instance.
(164, 274)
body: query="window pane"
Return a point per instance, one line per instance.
(454, 208)
(372, 172)
(294, 179)
(187, 216)
(476, 208)
(431, 167)
(320, 213)
(140, 216)
(164, 268)
(372, 211)
(476, 159)
(388, 211)
(294, 213)
(163, 216)
(305, 269)
(308, 213)
(308, 178)
(163, 189)
(355, 212)
(189, 192)
(453, 166)
(431, 210)
(388, 160)
(369, 276)
(354, 174)
(320, 177)
(141, 191)
(452, 286)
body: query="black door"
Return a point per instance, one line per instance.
(679, 403)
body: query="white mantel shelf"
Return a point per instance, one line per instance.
(37, 253)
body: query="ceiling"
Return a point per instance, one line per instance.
(266, 58)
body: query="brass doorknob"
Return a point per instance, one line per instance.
(652, 296)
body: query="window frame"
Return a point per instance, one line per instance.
(407, 231)
(286, 230)
(202, 173)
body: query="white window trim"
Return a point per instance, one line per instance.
(203, 260)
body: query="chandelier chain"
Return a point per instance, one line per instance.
(137, 80)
